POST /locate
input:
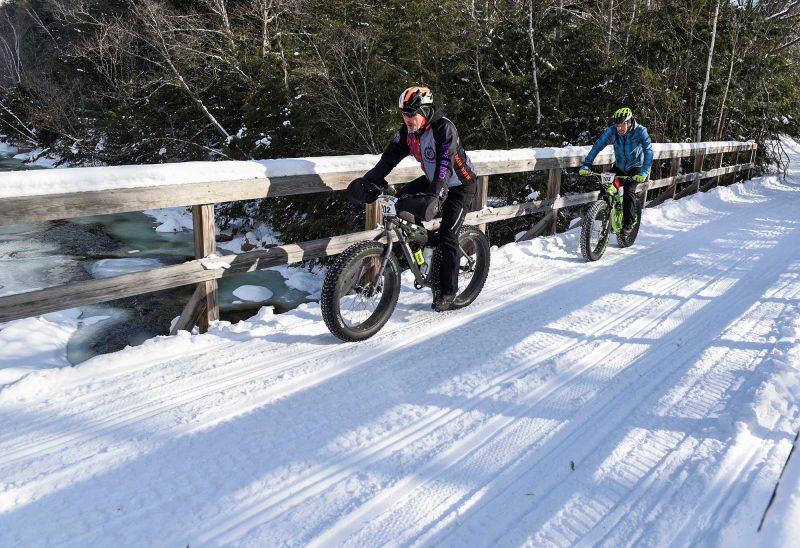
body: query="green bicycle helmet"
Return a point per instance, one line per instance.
(622, 115)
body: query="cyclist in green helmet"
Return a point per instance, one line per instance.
(633, 155)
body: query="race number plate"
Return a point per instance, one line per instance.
(607, 178)
(386, 203)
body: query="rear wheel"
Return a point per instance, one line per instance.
(628, 241)
(355, 304)
(473, 265)
(594, 233)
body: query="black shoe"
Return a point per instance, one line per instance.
(443, 303)
(437, 295)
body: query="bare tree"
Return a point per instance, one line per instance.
(610, 29)
(734, 44)
(708, 75)
(167, 43)
(534, 70)
(220, 9)
(344, 86)
(489, 95)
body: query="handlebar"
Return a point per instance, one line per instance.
(600, 174)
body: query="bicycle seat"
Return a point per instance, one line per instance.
(406, 216)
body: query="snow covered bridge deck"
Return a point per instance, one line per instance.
(651, 397)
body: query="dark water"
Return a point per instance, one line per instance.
(58, 252)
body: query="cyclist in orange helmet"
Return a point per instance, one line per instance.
(448, 184)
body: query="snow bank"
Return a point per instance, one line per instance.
(35, 344)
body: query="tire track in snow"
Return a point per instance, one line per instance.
(517, 371)
(585, 434)
(647, 503)
(397, 495)
(322, 478)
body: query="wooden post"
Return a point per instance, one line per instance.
(658, 176)
(553, 190)
(539, 228)
(481, 197)
(718, 164)
(205, 243)
(698, 167)
(732, 178)
(752, 159)
(674, 169)
(374, 216)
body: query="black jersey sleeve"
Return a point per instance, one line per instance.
(396, 150)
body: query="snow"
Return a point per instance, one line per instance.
(41, 161)
(649, 398)
(86, 179)
(6, 148)
(105, 268)
(171, 219)
(253, 293)
(214, 262)
(39, 343)
(260, 235)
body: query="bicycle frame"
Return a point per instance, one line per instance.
(614, 200)
(407, 232)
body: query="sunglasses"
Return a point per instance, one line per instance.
(408, 113)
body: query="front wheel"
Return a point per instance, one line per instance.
(355, 302)
(628, 241)
(594, 233)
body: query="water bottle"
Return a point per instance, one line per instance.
(416, 251)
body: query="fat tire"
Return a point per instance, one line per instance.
(482, 250)
(332, 289)
(470, 234)
(597, 211)
(622, 241)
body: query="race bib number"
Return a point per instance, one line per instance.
(386, 203)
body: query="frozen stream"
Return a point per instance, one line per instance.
(46, 254)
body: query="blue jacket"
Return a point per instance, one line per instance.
(632, 151)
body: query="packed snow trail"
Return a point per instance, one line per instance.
(650, 397)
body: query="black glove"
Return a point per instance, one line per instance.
(362, 191)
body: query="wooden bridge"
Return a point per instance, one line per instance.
(53, 195)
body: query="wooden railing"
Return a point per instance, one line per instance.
(124, 193)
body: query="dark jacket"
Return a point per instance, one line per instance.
(438, 150)
(631, 151)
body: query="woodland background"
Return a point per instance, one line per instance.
(112, 82)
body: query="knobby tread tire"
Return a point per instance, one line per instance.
(597, 211)
(468, 294)
(329, 299)
(622, 241)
